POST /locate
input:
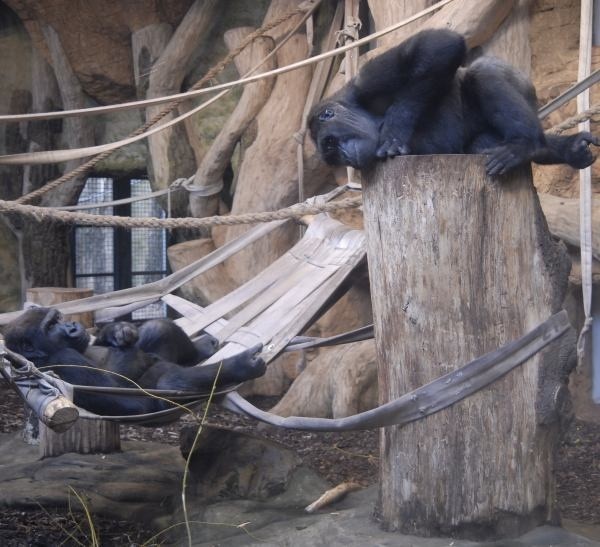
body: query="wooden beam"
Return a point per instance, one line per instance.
(562, 215)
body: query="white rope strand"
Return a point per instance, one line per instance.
(228, 85)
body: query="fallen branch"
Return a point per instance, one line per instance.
(332, 495)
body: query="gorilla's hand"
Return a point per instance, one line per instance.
(120, 334)
(391, 141)
(577, 151)
(504, 158)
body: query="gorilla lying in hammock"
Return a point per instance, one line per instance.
(158, 355)
(416, 98)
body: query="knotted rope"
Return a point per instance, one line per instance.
(575, 120)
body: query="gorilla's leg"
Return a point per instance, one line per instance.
(166, 339)
(504, 102)
(244, 366)
(87, 373)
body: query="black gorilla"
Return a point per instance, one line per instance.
(158, 355)
(417, 99)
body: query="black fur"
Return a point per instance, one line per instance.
(417, 98)
(160, 355)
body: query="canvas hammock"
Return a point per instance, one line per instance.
(273, 308)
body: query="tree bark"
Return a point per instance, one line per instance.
(460, 265)
(44, 246)
(254, 96)
(171, 154)
(562, 215)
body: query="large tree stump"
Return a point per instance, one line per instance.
(460, 265)
(85, 437)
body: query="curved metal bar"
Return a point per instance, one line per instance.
(168, 393)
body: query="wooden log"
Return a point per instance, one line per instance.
(460, 265)
(55, 411)
(50, 296)
(170, 151)
(562, 215)
(477, 20)
(43, 247)
(205, 288)
(78, 131)
(86, 437)
(254, 96)
(268, 176)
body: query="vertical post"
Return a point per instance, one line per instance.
(460, 265)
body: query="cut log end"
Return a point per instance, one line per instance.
(60, 414)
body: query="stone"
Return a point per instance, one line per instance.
(230, 464)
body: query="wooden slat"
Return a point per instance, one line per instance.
(298, 317)
(317, 247)
(295, 288)
(292, 283)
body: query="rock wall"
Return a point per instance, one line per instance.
(96, 37)
(555, 50)
(15, 95)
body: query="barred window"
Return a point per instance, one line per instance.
(108, 259)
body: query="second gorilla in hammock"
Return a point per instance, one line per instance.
(159, 355)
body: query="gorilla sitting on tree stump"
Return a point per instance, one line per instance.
(157, 356)
(416, 98)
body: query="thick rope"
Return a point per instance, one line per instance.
(214, 71)
(300, 64)
(295, 211)
(574, 121)
(40, 214)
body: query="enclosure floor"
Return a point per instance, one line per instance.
(337, 457)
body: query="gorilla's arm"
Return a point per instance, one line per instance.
(409, 79)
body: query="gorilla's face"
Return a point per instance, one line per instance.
(345, 136)
(40, 332)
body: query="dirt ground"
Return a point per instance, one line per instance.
(336, 456)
